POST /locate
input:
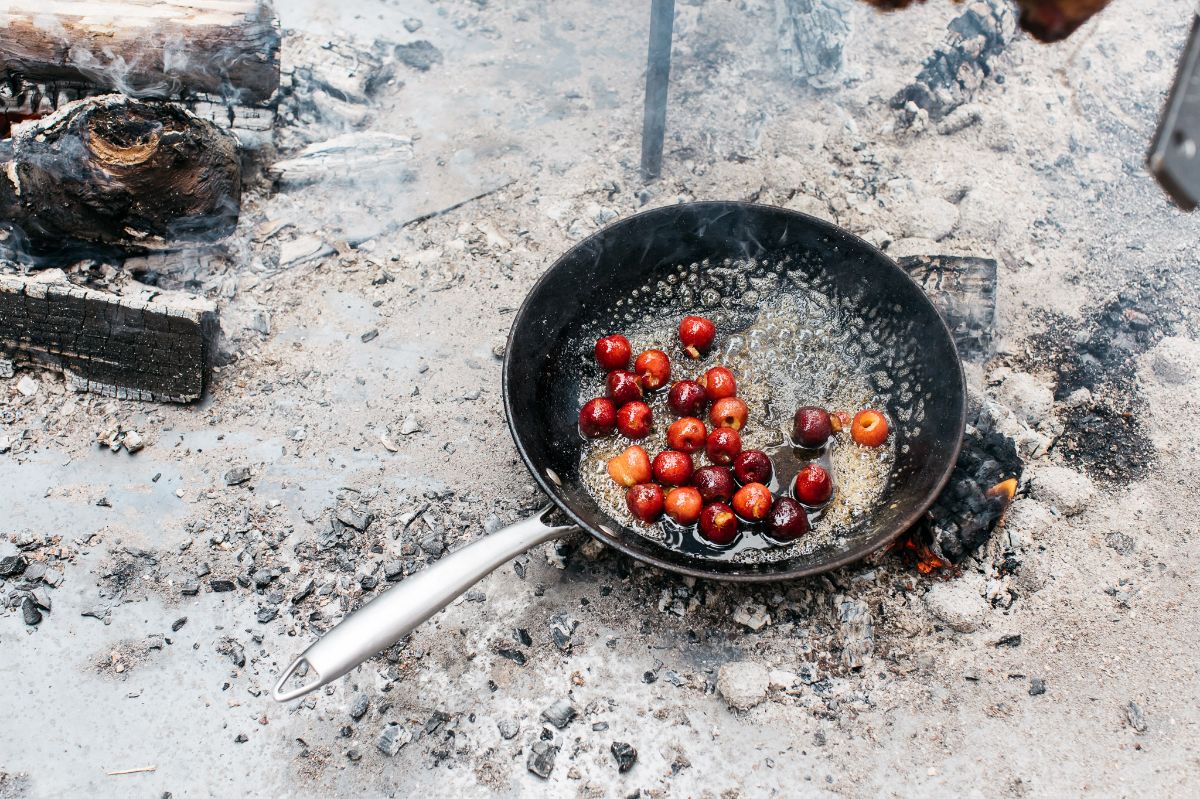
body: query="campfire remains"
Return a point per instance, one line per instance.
(220, 60)
(89, 176)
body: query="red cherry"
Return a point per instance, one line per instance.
(687, 435)
(723, 445)
(686, 398)
(598, 417)
(635, 419)
(645, 502)
(752, 466)
(813, 485)
(787, 520)
(753, 502)
(684, 505)
(613, 352)
(697, 334)
(672, 468)
(654, 368)
(729, 412)
(718, 523)
(713, 483)
(811, 427)
(718, 383)
(624, 387)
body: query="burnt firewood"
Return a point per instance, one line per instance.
(158, 346)
(812, 34)
(147, 48)
(964, 290)
(956, 70)
(118, 172)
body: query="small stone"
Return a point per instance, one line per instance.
(1037, 686)
(752, 616)
(420, 55)
(410, 426)
(133, 442)
(353, 755)
(27, 386)
(237, 476)
(541, 758)
(508, 729)
(1026, 396)
(13, 565)
(1079, 398)
(52, 577)
(393, 738)
(1063, 489)
(262, 577)
(267, 613)
(177, 625)
(625, 755)
(240, 738)
(30, 612)
(358, 519)
(41, 598)
(743, 684)
(561, 713)
(359, 708)
(1176, 361)
(1136, 717)
(959, 604)
(600, 726)
(190, 588)
(782, 680)
(370, 335)
(412, 24)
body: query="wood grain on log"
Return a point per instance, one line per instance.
(159, 349)
(145, 48)
(120, 172)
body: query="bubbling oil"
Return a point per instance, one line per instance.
(790, 340)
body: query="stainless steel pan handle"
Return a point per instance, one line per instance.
(394, 614)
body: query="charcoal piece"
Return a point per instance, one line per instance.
(221, 586)
(30, 612)
(177, 625)
(160, 349)
(359, 708)
(233, 650)
(958, 68)
(266, 613)
(625, 755)
(237, 476)
(541, 758)
(812, 34)
(13, 565)
(393, 738)
(508, 729)
(963, 289)
(561, 713)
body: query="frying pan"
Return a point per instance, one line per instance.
(542, 380)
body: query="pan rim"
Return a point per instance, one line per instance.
(617, 541)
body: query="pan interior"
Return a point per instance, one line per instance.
(732, 261)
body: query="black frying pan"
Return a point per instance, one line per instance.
(558, 319)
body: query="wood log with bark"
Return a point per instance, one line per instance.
(220, 57)
(118, 172)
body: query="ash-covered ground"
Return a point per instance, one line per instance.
(355, 433)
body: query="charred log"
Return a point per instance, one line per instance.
(146, 48)
(119, 172)
(964, 290)
(956, 70)
(156, 349)
(812, 34)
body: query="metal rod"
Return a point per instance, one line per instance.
(658, 71)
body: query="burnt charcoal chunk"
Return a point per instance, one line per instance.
(1009, 640)
(237, 476)
(13, 565)
(30, 612)
(625, 755)
(221, 586)
(515, 655)
(359, 708)
(561, 713)
(541, 758)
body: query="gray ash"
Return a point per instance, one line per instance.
(1107, 436)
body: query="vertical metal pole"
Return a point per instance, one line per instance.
(658, 71)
